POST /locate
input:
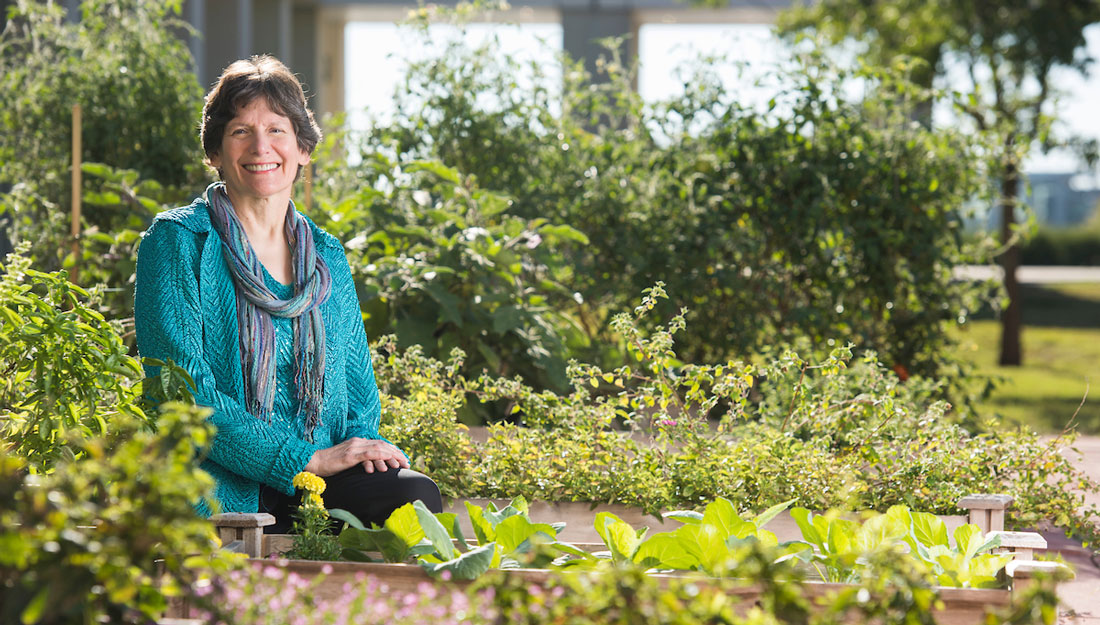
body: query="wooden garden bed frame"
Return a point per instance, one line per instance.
(961, 606)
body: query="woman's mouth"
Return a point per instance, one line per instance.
(261, 167)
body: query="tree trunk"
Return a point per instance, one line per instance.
(1012, 318)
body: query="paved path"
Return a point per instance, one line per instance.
(1032, 274)
(1080, 597)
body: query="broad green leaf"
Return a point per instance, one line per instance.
(434, 531)
(450, 522)
(721, 514)
(841, 535)
(572, 550)
(383, 541)
(985, 568)
(796, 549)
(514, 531)
(764, 517)
(929, 529)
(467, 566)
(967, 539)
(804, 519)
(483, 530)
(618, 535)
(684, 516)
(516, 506)
(565, 232)
(767, 538)
(665, 551)
(405, 525)
(705, 543)
(520, 505)
(346, 517)
(879, 531)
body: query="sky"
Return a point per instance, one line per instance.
(662, 50)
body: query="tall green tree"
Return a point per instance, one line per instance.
(1009, 49)
(125, 64)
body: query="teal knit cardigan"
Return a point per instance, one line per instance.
(185, 309)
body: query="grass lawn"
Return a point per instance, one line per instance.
(1061, 353)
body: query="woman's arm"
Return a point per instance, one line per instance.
(168, 319)
(364, 407)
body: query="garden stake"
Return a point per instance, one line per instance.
(76, 184)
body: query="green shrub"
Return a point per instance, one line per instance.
(1063, 246)
(111, 536)
(132, 74)
(839, 433)
(441, 264)
(822, 217)
(66, 370)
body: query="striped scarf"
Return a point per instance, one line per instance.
(256, 304)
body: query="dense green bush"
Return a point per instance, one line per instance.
(441, 263)
(1075, 245)
(841, 432)
(821, 217)
(65, 369)
(111, 536)
(125, 64)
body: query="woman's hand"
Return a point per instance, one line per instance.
(372, 454)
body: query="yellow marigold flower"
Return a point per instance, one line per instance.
(315, 500)
(309, 482)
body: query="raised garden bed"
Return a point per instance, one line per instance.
(958, 605)
(985, 511)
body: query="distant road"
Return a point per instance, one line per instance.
(1032, 274)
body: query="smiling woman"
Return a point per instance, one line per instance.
(257, 304)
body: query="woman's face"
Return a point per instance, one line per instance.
(259, 156)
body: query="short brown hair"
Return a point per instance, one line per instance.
(244, 81)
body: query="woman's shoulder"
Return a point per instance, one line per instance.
(321, 237)
(174, 234)
(194, 217)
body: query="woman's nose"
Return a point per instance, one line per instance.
(260, 143)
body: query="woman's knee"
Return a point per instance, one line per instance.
(420, 486)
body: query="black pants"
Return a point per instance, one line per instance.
(371, 497)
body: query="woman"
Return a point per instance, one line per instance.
(257, 304)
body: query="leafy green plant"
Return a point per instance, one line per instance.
(504, 538)
(840, 432)
(313, 539)
(705, 542)
(442, 264)
(124, 62)
(64, 369)
(841, 546)
(850, 243)
(110, 536)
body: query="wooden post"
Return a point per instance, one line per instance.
(246, 527)
(1022, 545)
(77, 184)
(987, 511)
(309, 186)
